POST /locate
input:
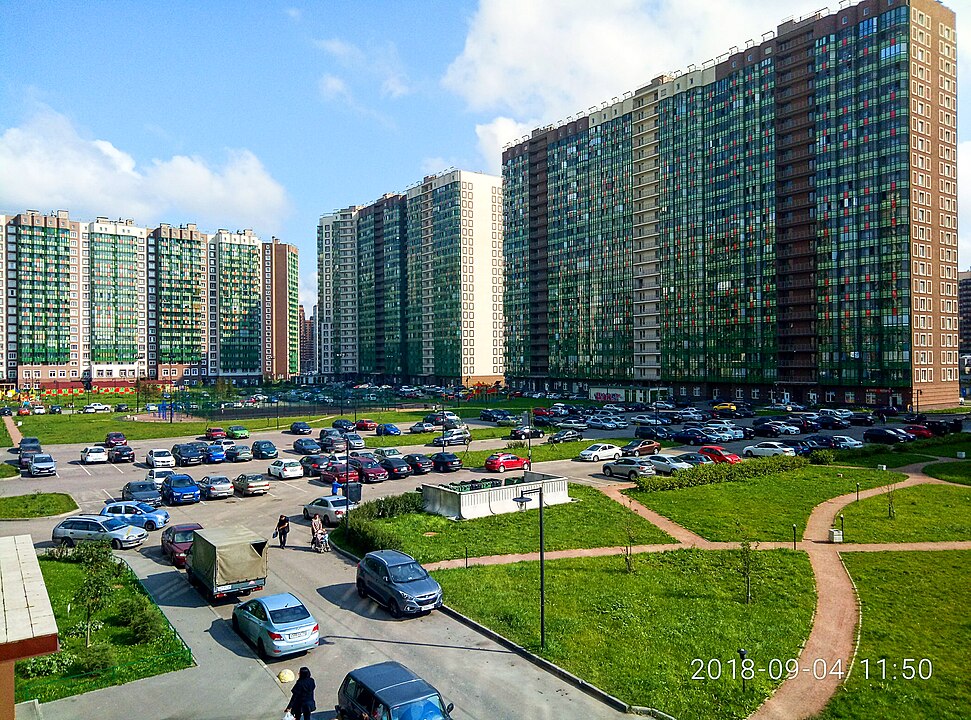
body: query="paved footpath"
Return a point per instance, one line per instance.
(833, 636)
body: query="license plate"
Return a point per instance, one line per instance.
(298, 635)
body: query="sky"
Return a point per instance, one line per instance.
(265, 116)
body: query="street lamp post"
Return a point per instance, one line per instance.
(917, 406)
(521, 501)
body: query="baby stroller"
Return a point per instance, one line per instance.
(320, 542)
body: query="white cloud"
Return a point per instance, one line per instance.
(381, 63)
(334, 88)
(495, 135)
(47, 165)
(294, 13)
(345, 52)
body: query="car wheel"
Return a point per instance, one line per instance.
(150, 526)
(116, 544)
(616, 456)
(235, 624)
(749, 453)
(632, 476)
(361, 592)
(502, 468)
(526, 465)
(325, 519)
(67, 542)
(608, 472)
(394, 609)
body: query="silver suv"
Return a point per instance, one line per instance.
(97, 527)
(398, 582)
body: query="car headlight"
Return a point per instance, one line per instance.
(406, 596)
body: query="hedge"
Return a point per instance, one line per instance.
(722, 472)
(368, 535)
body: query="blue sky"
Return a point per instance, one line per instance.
(263, 115)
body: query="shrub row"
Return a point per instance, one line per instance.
(362, 530)
(388, 507)
(721, 473)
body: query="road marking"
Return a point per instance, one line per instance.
(85, 470)
(297, 487)
(110, 496)
(118, 469)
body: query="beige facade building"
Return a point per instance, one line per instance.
(281, 323)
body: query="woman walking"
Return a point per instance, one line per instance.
(282, 529)
(302, 703)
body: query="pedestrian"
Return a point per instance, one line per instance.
(282, 529)
(335, 487)
(302, 703)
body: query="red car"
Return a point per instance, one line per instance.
(114, 439)
(718, 454)
(500, 462)
(23, 411)
(176, 540)
(337, 471)
(918, 431)
(541, 412)
(365, 424)
(215, 433)
(368, 470)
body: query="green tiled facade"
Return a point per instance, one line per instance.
(113, 316)
(43, 300)
(238, 293)
(180, 328)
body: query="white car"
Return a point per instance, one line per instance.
(39, 410)
(94, 454)
(285, 469)
(845, 442)
(784, 428)
(600, 451)
(614, 408)
(767, 449)
(225, 443)
(97, 408)
(667, 464)
(160, 458)
(385, 453)
(158, 476)
(646, 420)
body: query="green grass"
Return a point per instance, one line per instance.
(5, 440)
(888, 457)
(766, 508)
(594, 521)
(947, 446)
(8, 470)
(955, 472)
(635, 635)
(923, 513)
(36, 505)
(914, 606)
(133, 661)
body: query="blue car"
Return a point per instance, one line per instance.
(277, 625)
(215, 454)
(180, 489)
(387, 429)
(137, 513)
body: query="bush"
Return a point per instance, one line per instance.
(721, 473)
(822, 457)
(148, 626)
(129, 608)
(96, 658)
(389, 507)
(81, 629)
(46, 665)
(515, 444)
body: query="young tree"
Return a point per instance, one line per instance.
(100, 571)
(747, 561)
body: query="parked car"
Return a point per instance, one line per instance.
(186, 454)
(6, 411)
(160, 458)
(451, 437)
(301, 428)
(368, 470)
(572, 424)
(264, 450)
(821, 442)
(387, 429)
(251, 484)
(502, 461)
(113, 439)
(398, 582)
(641, 447)
(565, 436)
(827, 422)
(918, 431)
(719, 454)
(396, 467)
(365, 424)
(332, 444)
(522, 432)
(176, 540)
(121, 454)
(158, 476)
(862, 418)
(354, 441)
(767, 449)
(802, 447)
(313, 464)
(214, 453)
(694, 459)
(40, 464)
(336, 471)
(667, 464)
(285, 469)
(646, 432)
(394, 686)
(600, 451)
(277, 625)
(690, 436)
(306, 446)
(215, 433)
(342, 424)
(881, 435)
(179, 489)
(215, 486)
(422, 427)
(845, 442)
(92, 454)
(420, 464)
(629, 467)
(446, 462)
(330, 508)
(96, 408)
(136, 513)
(237, 432)
(78, 528)
(239, 453)
(141, 491)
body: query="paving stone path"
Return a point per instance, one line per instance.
(832, 638)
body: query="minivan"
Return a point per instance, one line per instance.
(389, 690)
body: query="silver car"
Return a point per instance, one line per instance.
(215, 486)
(330, 508)
(119, 533)
(629, 467)
(42, 465)
(354, 441)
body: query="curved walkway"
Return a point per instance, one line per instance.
(836, 618)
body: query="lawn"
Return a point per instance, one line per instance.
(132, 660)
(947, 446)
(763, 508)
(636, 635)
(36, 505)
(955, 472)
(594, 521)
(923, 513)
(9, 470)
(927, 621)
(888, 457)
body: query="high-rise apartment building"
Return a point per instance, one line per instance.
(235, 306)
(308, 343)
(281, 319)
(778, 223)
(410, 287)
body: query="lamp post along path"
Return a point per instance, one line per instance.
(522, 500)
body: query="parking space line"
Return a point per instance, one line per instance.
(118, 469)
(110, 496)
(297, 487)
(85, 470)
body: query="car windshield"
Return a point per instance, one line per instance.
(429, 708)
(43, 459)
(252, 478)
(142, 487)
(218, 480)
(289, 615)
(407, 572)
(145, 507)
(183, 536)
(161, 453)
(114, 523)
(184, 481)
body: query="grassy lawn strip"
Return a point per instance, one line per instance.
(635, 634)
(36, 505)
(766, 508)
(594, 521)
(955, 472)
(8, 470)
(132, 660)
(888, 457)
(928, 620)
(923, 513)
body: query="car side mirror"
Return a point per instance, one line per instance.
(449, 708)
(387, 579)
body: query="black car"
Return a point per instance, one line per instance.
(301, 428)
(544, 421)
(820, 442)
(862, 418)
(29, 444)
(804, 424)
(313, 464)
(648, 432)
(306, 446)
(766, 430)
(446, 462)
(420, 464)
(5, 411)
(886, 410)
(832, 423)
(186, 454)
(915, 418)
(690, 436)
(521, 433)
(55, 410)
(121, 453)
(331, 444)
(142, 491)
(493, 414)
(881, 435)
(121, 407)
(396, 467)
(342, 424)
(566, 436)
(802, 447)
(264, 450)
